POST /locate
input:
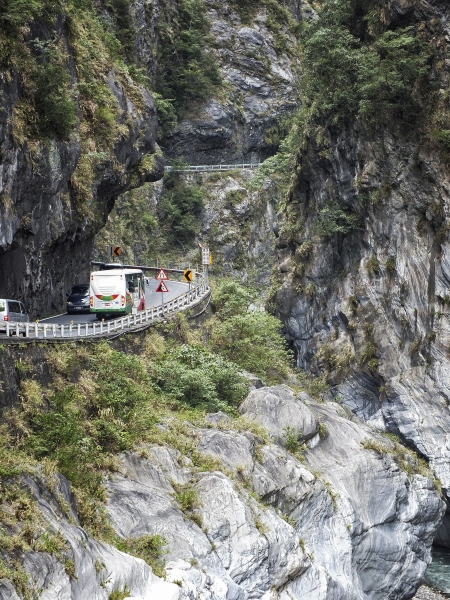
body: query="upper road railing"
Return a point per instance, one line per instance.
(42, 330)
(204, 168)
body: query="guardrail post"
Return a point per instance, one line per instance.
(17, 329)
(79, 330)
(87, 329)
(27, 330)
(62, 330)
(45, 329)
(108, 329)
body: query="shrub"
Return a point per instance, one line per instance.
(369, 354)
(291, 439)
(150, 548)
(414, 347)
(231, 298)
(253, 341)
(119, 594)
(246, 9)
(179, 210)
(353, 302)
(187, 498)
(332, 219)
(390, 264)
(120, 10)
(345, 75)
(304, 251)
(186, 72)
(310, 291)
(373, 266)
(193, 376)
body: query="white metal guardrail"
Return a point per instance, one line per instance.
(97, 328)
(204, 168)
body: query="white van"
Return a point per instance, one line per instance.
(13, 311)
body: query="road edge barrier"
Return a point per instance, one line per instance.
(63, 331)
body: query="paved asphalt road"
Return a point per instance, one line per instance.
(152, 298)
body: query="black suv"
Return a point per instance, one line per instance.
(78, 298)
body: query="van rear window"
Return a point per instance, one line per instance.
(79, 289)
(2, 305)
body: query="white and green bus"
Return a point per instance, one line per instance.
(116, 292)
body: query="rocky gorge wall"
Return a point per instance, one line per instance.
(262, 523)
(56, 193)
(255, 51)
(314, 504)
(368, 309)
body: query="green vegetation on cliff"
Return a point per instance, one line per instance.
(353, 67)
(101, 401)
(186, 73)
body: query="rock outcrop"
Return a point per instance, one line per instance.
(336, 520)
(46, 226)
(259, 83)
(368, 309)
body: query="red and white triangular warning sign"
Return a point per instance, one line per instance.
(161, 274)
(162, 287)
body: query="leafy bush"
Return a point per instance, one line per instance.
(291, 439)
(391, 264)
(120, 11)
(193, 376)
(187, 498)
(373, 266)
(150, 548)
(332, 219)
(179, 210)
(253, 341)
(119, 594)
(246, 9)
(230, 299)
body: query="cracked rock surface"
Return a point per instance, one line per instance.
(336, 520)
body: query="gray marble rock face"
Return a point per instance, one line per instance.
(385, 283)
(338, 522)
(279, 412)
(46, 232)
(259, 84)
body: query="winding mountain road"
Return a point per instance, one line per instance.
(152, 298)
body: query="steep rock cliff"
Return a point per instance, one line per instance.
(57, 187)
(364, 267)
(254, 47)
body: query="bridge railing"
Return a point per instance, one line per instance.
(204, 168)
(98, 328)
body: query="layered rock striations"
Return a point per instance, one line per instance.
(365, 304)
(57, 190)
(336, 519)
(255, 50)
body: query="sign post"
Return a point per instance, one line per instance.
(205, 263)
(187, 276)
(162, 287)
